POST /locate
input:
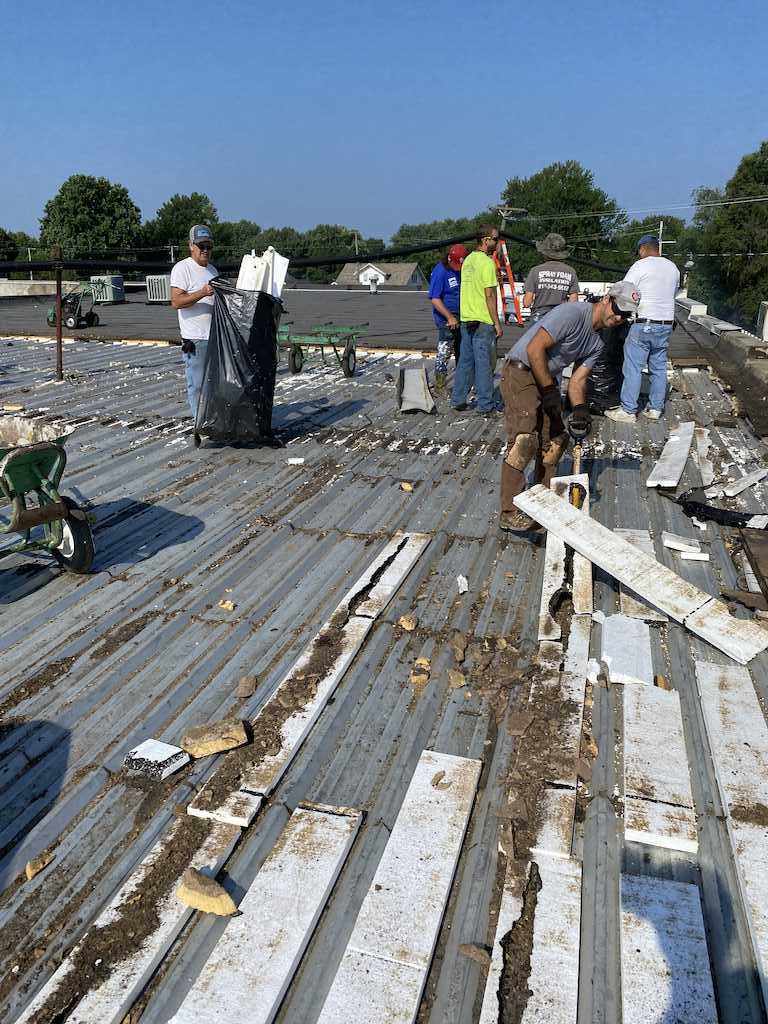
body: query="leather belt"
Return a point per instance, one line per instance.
(517, 364)
(646, 320)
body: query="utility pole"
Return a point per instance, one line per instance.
(29, 257)
(357, 251)
(669, 241)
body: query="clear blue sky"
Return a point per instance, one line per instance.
(372, 115)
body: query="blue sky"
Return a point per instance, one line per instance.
(374, 115)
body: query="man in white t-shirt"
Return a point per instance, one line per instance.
(657, 279)
(192, 295)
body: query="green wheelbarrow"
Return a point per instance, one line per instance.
(32, 461)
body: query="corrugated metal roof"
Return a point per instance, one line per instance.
(92, 666)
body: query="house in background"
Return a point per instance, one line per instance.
(391, 275)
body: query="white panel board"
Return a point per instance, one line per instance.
(663, 825)
(641, 573)
(677, 543)
(748, 480)
(555, 834)
(625, 648)
(629, 603)
(665, 973)
(554, 978)
(510, 909)
(738, 739)
(552, 578)
(669, 468)
(400, 918)
(582, 567)
(740, 639)
(368, 990)
(655, 759)
(649, 579)
(658, 807)
(252, 964)
(111, 1001)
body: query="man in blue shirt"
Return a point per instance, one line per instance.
(444, 285)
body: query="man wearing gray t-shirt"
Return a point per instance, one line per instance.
(550, 283)
(533, 413)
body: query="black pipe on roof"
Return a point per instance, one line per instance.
(299, 262)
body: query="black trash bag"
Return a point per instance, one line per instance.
(605, 380)
(238, 389)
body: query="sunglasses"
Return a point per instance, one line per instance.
(619, 312)
(205, 247)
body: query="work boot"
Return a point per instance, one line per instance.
(651, 414)
(517, 522)
(461, 407)
(620, 415)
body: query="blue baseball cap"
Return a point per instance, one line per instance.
(200, 233)
(648, 240)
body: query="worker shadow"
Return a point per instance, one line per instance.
(686, 968)
(33, 762)
(291, 420)
(127, 531)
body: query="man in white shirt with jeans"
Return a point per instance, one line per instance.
(657, 279)
(192, 296)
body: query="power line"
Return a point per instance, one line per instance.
(738, 200)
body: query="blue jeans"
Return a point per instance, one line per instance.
(475, 366)
(646, 345)
(194, 365)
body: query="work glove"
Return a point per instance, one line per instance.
(550, 402)
(188, 347)
(580, 422)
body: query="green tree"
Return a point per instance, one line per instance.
(436, 231)
(624, 243)
(171, 224)
(235, 238)
(88, 215)
(9, 248)
(335, 240)
(562, 198)
(728, 259)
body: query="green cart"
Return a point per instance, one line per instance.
(32, 461)
(341, 338)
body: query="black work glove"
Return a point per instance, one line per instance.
(580, 422)
(188, 347)
(550, 402)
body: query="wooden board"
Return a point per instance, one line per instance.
(397, 928)
(669, 468)
(665, 973)
(252, 964)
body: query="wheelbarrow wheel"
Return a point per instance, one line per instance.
(71, 322)
(295, 359)
(348, 363)
(75, 553)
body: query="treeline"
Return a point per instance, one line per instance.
(723, 248)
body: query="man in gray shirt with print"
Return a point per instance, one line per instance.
(550, 283)
(533, 412)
